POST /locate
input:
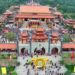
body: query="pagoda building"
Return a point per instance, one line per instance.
(33, 11)
(6, 47)
(3, 18)
(24, 37)
(58, 14)
(40, 35)
(7, 13)
(34, 24)
(54, 38)
(70, 22)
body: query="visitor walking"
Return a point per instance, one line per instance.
(41, 72)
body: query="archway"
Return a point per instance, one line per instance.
(54, 51)
(43, 51)
(39, 51)
(22, 51)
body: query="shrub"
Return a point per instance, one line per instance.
(68, 73)
(18, 63)
(14, 73)
(70, 67)
(10, 36)
(10, 69)
(67, 38)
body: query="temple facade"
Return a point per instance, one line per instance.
(39, 20)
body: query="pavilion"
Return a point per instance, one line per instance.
(70, 22)
(69, 47)
(40, 35)
(55, 37)
(28, 12)
(8, 47)
(24, 37)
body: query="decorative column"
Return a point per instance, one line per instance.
(48, 44)
(30, 40)
(61, 40)
(17, 42)
(49, 39)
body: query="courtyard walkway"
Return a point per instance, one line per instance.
(55, 69)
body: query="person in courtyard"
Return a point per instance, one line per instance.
(43, 51)
(32, 70)
(54, 51)
(35, 51)
(22, 51)
(47, 71)
(41, 72)
(28, 71)
(26, 64)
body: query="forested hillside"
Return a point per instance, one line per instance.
(65, 6)
(5, 4)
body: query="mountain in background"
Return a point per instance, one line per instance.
(67, 7)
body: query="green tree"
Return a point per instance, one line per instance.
(70, 27)
(10, 36)
(67, 38)
(2, 26)
(14, 73)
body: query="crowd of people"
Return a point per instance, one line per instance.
(3, 39)
(51, 68)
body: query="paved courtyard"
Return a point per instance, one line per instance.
(53, 69)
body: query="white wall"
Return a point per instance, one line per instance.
(43, 44)
(36, 45)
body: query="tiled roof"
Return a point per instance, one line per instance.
(58, 13)
(34, 9)
(7, 12)
(34, 16)
(55, 34)
(70, 21)
(24, 34)
(8, 46)
(39, 37)
(70, 45)
(40, 29)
